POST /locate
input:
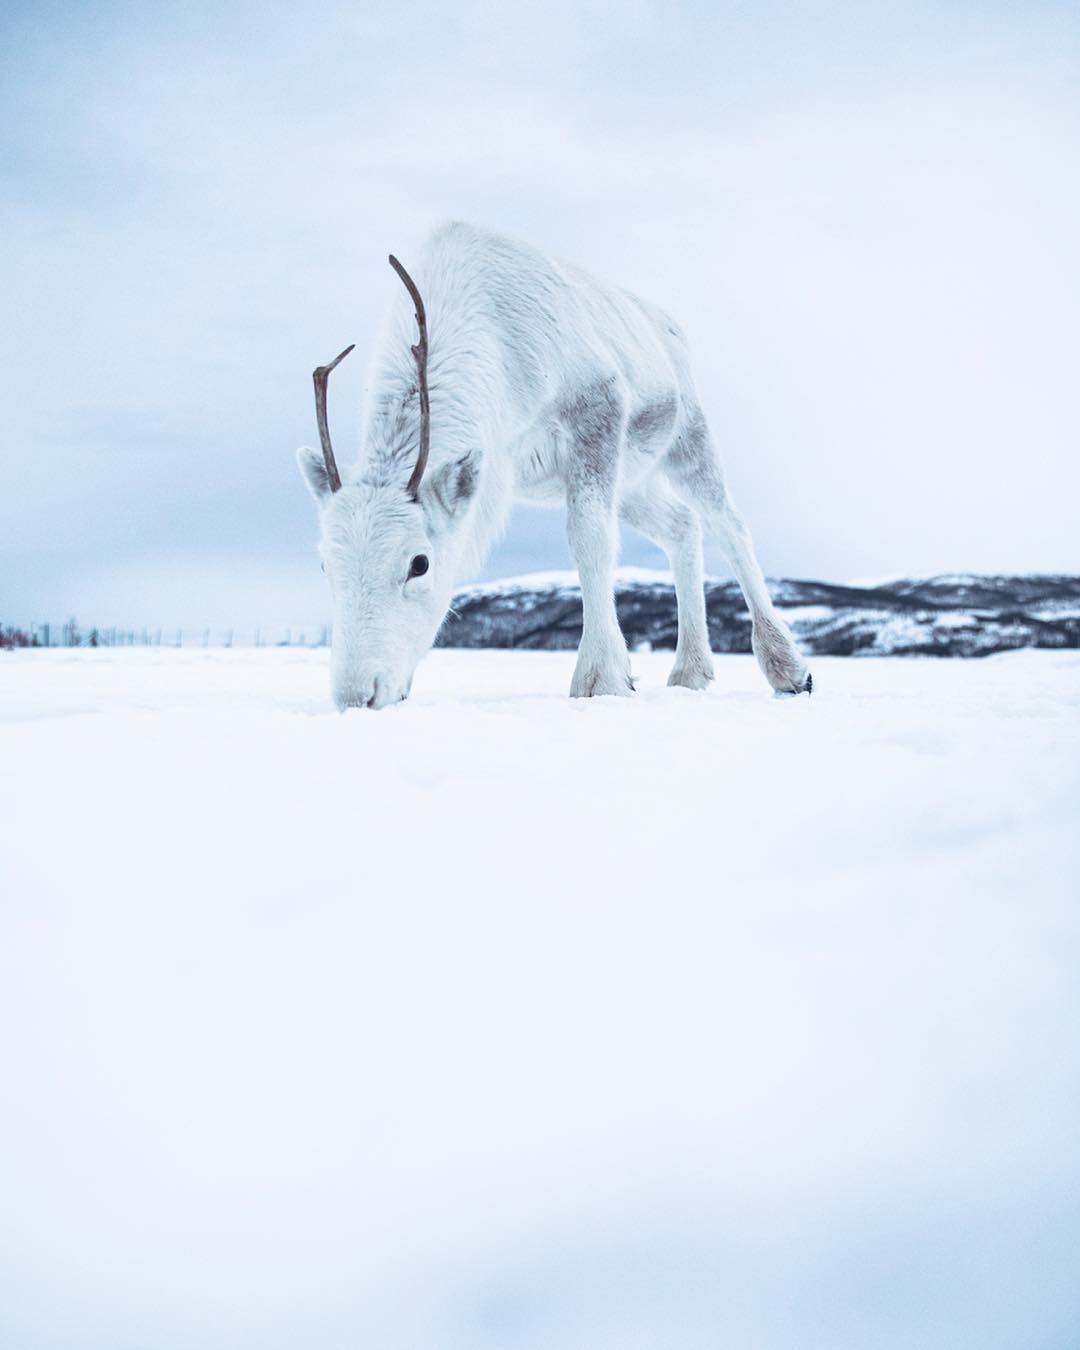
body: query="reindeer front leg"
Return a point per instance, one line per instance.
(595, 423)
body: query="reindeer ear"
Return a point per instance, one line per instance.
(451, 488)
(313, 472)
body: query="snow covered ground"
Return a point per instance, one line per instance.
(501, 1021)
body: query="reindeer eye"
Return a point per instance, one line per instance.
(419, 565)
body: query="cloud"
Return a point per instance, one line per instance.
(863, 215)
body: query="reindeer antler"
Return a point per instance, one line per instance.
(420, 352)
(320, 376)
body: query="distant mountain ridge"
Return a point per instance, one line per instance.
(955, 614)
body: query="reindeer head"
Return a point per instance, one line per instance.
(389, 550)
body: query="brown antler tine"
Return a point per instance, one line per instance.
(321, 375)
(420, 355)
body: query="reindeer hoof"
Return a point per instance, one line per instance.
(807, 687)
(691, 675)
(593, 683)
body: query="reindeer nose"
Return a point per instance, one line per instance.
(354, 698)
(372, 693)
(382, 693)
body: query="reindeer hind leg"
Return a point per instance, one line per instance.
(695, 473)
(657, 513)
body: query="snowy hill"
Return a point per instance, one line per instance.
(952, 615)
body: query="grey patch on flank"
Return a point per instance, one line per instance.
(654, 423)
(691, 445)
(594, 417)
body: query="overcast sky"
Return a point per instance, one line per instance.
(866, 217)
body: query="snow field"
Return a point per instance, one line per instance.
(498, 1019)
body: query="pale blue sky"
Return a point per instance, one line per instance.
(865, 216)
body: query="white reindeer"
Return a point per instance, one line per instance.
(530, 380)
